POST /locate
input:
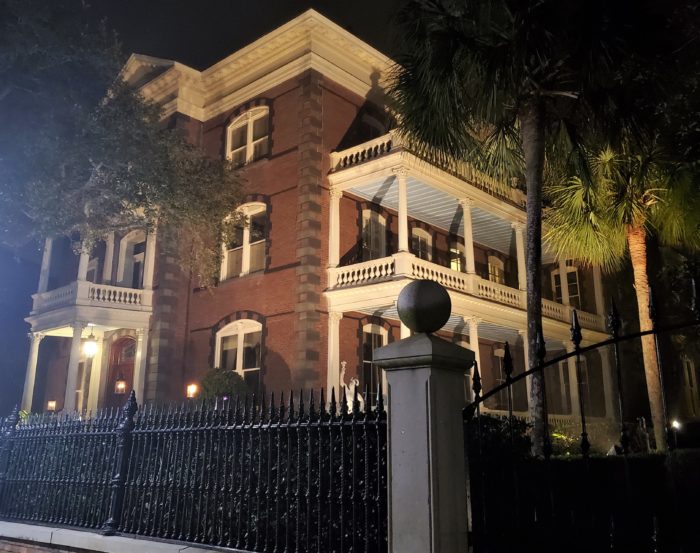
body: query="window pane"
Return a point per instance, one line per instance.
(235, 263)
(260, 127)
(236, 238)
(239, 136)
(257, 256)
(260, 148)
(229, 350)
(251, 350)
(258, 222)
(238, 156)
(456, 260)
(373, 238)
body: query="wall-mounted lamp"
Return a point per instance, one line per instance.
(191, 391)
(51, 405)
(120, 386)
(90, 346)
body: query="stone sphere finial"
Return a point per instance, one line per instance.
(424, 306)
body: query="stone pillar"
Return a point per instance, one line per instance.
(30, 378)
(73, 362)
(149, 265)
(564, 283)
(598, 291)
(466, 204)
(573, 382)
(93, 397)
(520, 252)
(473, 323)
(334, 228)
(83, 265)
(608, 385)
(140, 362)
(401, 175)
(45, 267)
(109, 259)
(333, 377)
(426, 471)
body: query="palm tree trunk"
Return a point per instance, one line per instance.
(532, 135)
(636, 241)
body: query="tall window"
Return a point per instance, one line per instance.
(456, 256)
(238, 348)
(373, 235)
(497, 272)
(247, 136)
(499, 377)
(132, 257)
(245, 251)
(571, 280)
(373, 337)
(422, 244)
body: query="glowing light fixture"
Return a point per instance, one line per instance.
(90, 346)
(191, 390)
(51, 405)
(675, 424)
(120, 386)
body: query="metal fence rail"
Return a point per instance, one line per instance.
(304, 475)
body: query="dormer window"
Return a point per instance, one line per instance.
(247, 137)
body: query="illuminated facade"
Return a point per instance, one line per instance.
(341, 215)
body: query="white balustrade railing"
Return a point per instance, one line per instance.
(500, 293)
(366, 272)
(365, 151)
(555, 310)
(89, 293)
(591, 320)
(453, 280)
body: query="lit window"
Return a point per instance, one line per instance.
(373, 337)
(238, 349)
(422, 244)
(373, 235)
(247, 136)
(571, 280)
(456, 256)
(245, 250)
(497, 272)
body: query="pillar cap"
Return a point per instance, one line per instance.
(423, 350)
(424, 306)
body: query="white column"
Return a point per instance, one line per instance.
(73, 362)
(573, 382)
(466, 204)
(608, 386)
(83, 264)
(520, 252)
(30, 378)
(95, 376)
(140, 362)
(473, 323)
(245, 257)
(109, 259)
(334, 228)
(149, 261)
(45, 266)
(401, 175)
(333, 376)
(598, 291)
(563, 282)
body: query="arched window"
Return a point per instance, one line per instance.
(373, 336)
(373, 235)
(247, 137)
(132, 251)
(238, 348)
(422, 244)
(245, 251)
(496, 270)
(573, 284)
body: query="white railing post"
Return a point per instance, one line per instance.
(426, 462)
(470, 265)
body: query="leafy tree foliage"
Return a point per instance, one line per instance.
(218, 383)
(83, 154)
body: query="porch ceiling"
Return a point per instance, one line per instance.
(441, 210)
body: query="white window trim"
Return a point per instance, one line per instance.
(238, 328)
(368, 214)
(126, 257)
(247, 210)
(496, 262)
(458, 246)
(246, 118)
(421, 233)
(570, 268)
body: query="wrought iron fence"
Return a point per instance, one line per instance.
(304, 475)
(522, 502)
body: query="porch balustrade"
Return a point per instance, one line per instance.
(91, 294)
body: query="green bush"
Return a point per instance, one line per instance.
(223, 383)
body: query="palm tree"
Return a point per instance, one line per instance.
(607, 211)
(495, 82)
